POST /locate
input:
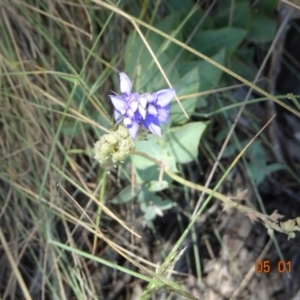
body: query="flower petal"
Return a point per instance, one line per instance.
(142, 111)
(154, 128)
(133, 129)
(151, 123)
(117, 115)
(119, 103)
(164, 97)
(143, 101)
(152, 110)
(134, 105)
(150, 97)
(125, 84)
(127, 122)
(163, 114)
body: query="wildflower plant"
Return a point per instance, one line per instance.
(137, 113)
(135, 110)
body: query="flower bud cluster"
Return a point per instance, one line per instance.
(114, 147)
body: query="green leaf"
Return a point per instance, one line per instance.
(175, 5)
(202, 77)
(242, 66)
(240, 18)
(262, 29)
(188, 84)
(163, 204)
(154, 205)
(156, 186)
(149, 213)
(267, 6)
(209, 74)
(229, 151)
(126, 195)
(186, 6)
(210, 42)
(147, 170)
(139, 62)
(182, 142)
(168, 25)
(257, 169)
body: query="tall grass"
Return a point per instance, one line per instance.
(61, 237)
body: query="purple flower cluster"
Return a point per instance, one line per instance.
(147, 110)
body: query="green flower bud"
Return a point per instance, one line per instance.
(99, 154)
(288, 226)
(114, 147)
(123, 132)
(127, 145)
(111, 138)
(107, 148)
(118, 157)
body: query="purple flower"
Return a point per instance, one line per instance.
(148, 110)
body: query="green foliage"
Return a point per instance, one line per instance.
(210, 42)
(241, 16)
(156, 186)
(267, 6)
(188, 84)
(182, 142)
(202, 77)
(224, 39)
(138, 61)
(258, 167)
(55, 69)
(152, 205)
(147, 170)
(262, 29)
(126, 195)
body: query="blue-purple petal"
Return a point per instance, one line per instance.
(164, 97)
(163, 114)
(152, 124)
(150, 97)
(133, 129)
(154, 128)
(143, 101)
(125, 84)
(152, 110)
(117, 116)
(134, 105)
(142, 111)
(119, 103)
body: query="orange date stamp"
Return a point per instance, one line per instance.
(264, 266)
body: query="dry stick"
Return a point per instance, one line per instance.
(253, 214)
(290, 3)
(284, 16)
(276, 38)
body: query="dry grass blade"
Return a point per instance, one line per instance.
(14, 266)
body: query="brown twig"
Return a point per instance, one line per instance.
(284, 13)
